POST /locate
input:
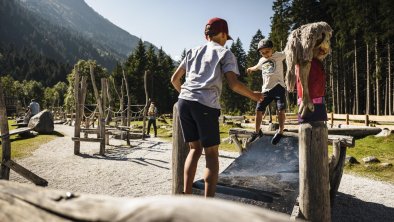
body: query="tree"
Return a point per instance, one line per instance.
(254, 80)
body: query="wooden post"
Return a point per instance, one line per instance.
(336, 167)
(5, 138)
(87, 123)
(179, 153)
(347, 119)
(367, 120)
(314, 172)
(128, 100)
(102, 116)
(122, 104)
(146, 104)
(77, 125)
(332, 119)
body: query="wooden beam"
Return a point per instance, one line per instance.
(314, 172)
(26, 173)
(5, 138)
(180, 151)
(87, 139)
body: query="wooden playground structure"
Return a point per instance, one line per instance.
(104, 117)
(7, 163)
(282, 178)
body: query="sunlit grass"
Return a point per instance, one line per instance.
(25, 146)
(380, 147)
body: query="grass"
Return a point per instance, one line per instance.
(24, 146)
(380, 147)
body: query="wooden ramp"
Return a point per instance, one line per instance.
(19, 131)
(265, 175)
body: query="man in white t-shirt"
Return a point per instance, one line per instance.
(271, 66)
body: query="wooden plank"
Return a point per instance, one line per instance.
(19, 130)
(86, 139)
(348, 141)
(381, 118)
(26, 173)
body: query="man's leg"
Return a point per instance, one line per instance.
(149, 123)
(211, 172)
(155, 127)
(191, 166)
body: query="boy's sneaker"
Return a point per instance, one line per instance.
(275, 140)
(255, 136)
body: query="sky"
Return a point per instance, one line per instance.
(176, 25)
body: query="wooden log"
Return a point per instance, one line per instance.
(128, 99)
(314, 172)
(87, 139)
(18, 131)
(23, 202)
(357, 132)
(26, 173)
(336, 169)
(87, 124)
(180, 151)
(5, 138)
(146, 107)
(77, 125)
(347, 141)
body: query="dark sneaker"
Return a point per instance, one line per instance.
(275, 140)
(255, 136)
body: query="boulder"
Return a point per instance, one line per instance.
(42, 122)
(371, 159)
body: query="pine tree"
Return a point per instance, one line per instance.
(254, 80)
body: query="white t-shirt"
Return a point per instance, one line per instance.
(272, 71)
(205, 66)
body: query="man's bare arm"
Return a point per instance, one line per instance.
(176, 78)
(240, 88)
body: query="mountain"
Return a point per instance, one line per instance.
(26, 37)
(79, 17)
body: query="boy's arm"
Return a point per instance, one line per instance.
(240, 88)
(252, 69)
(176, 78)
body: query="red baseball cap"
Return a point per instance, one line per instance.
(215, 26)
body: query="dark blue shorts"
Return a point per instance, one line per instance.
(199, 122)
(278, 93)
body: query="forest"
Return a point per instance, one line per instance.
(359, 68)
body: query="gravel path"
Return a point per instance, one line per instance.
(145, 170)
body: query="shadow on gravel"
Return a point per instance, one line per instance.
(348, 208)
(120, 153)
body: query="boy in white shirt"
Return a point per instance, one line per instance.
(271, 66)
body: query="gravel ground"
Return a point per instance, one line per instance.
(144, 169)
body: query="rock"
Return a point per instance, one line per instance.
(371, 159)
(351, 160)
(386, 165)
(385, 132)
(42, 122)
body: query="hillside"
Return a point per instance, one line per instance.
(77, 16)
(25, 34)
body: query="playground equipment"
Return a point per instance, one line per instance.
(6, 163)
(105, 114)
(270, 176)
